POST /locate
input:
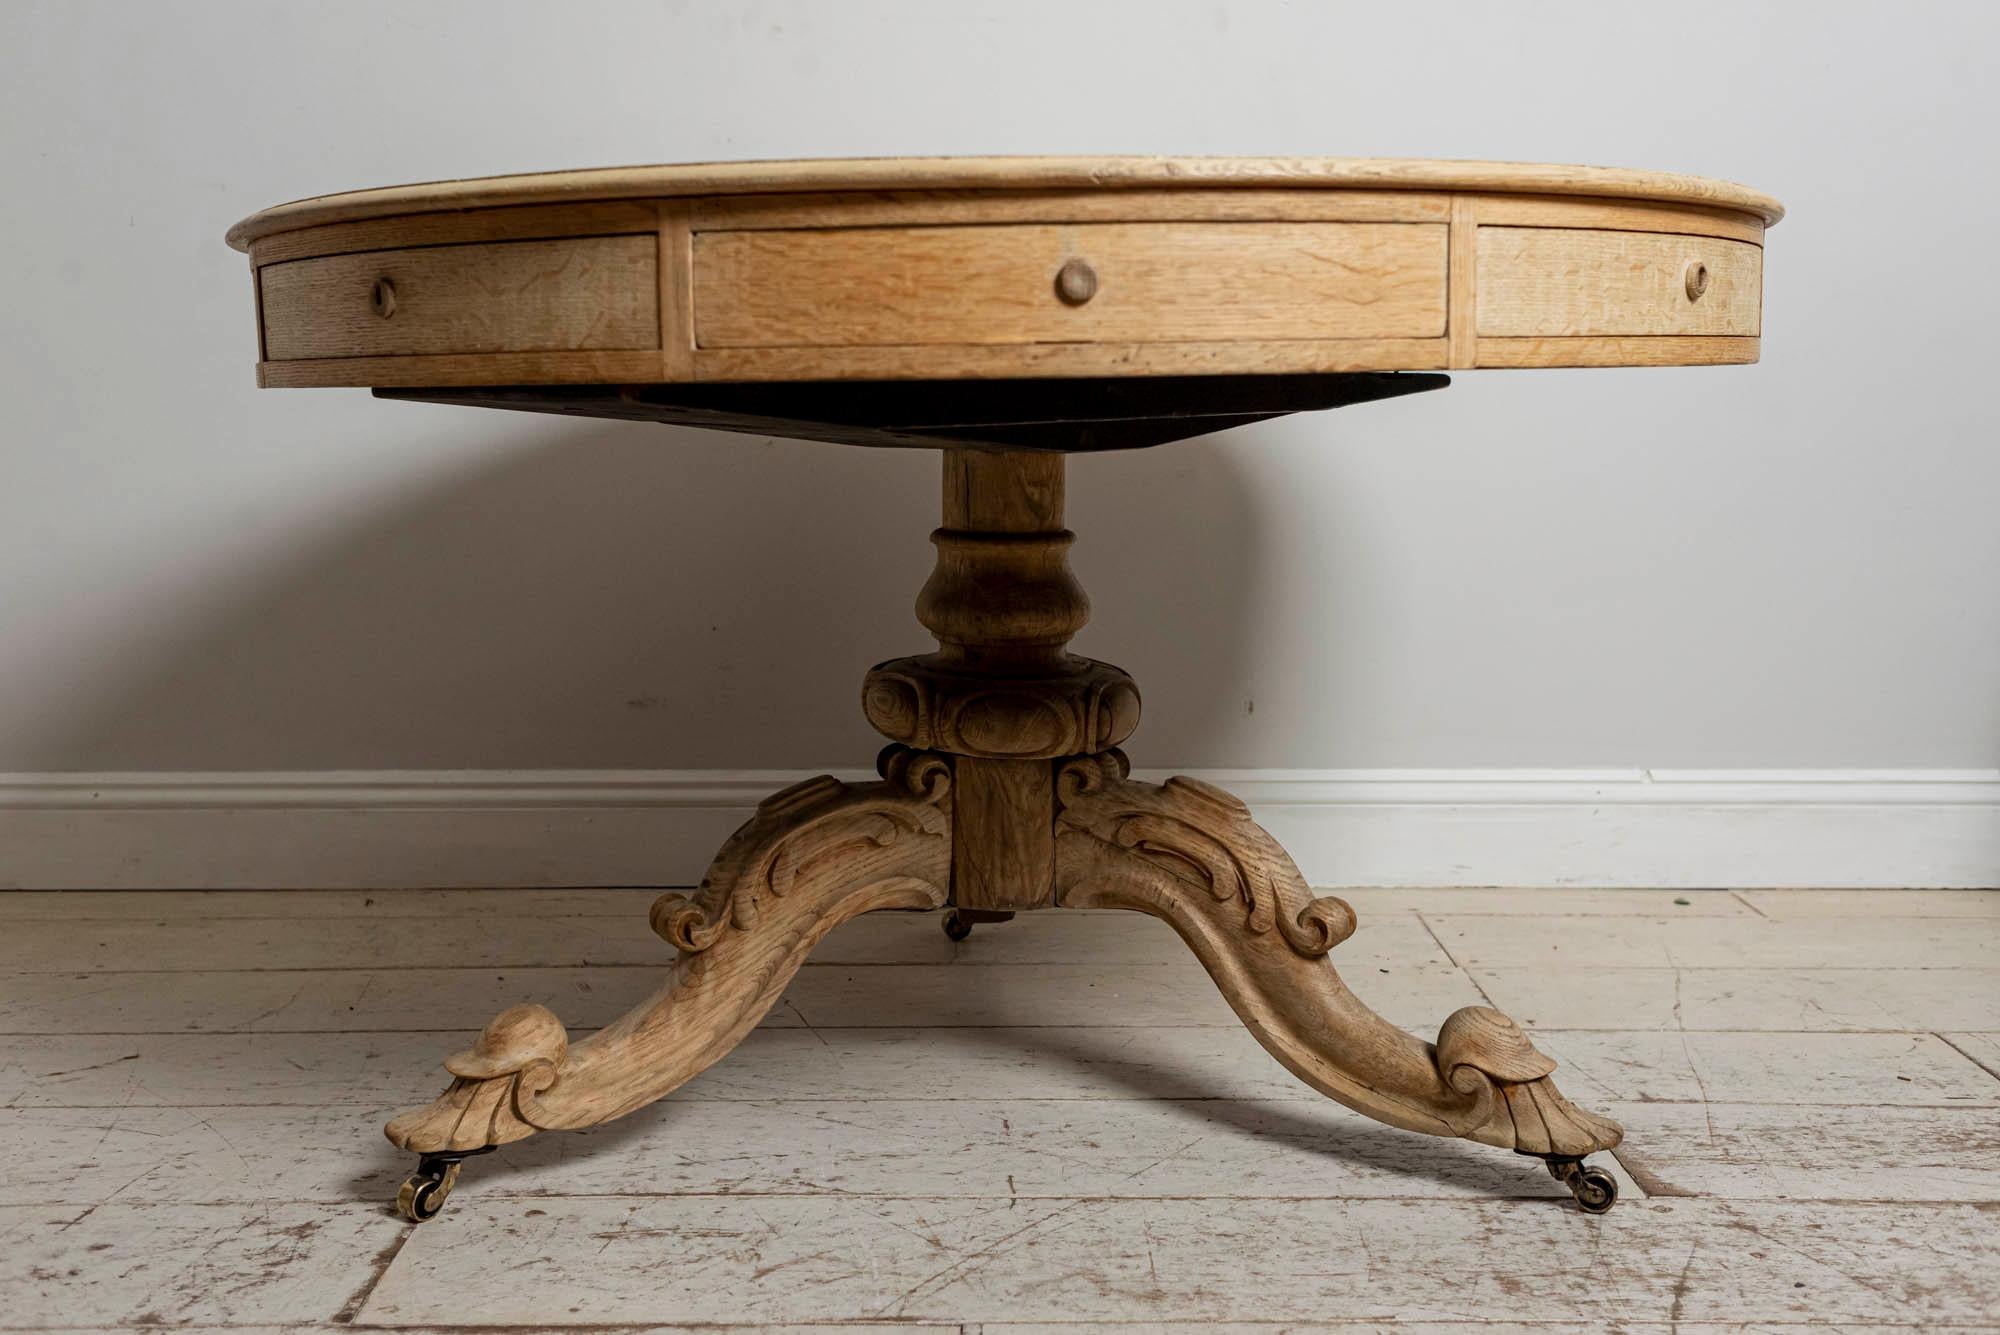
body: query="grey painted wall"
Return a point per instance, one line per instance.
(1789, 565)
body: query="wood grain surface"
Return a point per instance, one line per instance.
(1538, 282)
(571, 295)
(943, 269)
(1015, 173)
(1158, 282)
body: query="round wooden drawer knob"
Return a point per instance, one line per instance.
(382, 298)
(1695, 279)
(1076, 282)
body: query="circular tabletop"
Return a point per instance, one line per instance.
(954, 269)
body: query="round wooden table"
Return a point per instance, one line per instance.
(1006, 311)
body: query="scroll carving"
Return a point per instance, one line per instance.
(1482, 1053)
(801, 835)
(811, 857)
(1190, 854)
(1205, 836)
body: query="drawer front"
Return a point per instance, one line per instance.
(573, 294)
(1561, 282)
(1144, 283)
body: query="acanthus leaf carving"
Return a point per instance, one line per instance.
(497, 1081)
(1484, 1054)
(1201, 834)
(802, 831)
(1191, 854)
(810, 858)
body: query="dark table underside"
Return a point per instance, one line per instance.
(1056, 415)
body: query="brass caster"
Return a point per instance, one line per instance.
(425, 1191)
(1595, 1190)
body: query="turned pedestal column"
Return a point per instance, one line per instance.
(1002, 696)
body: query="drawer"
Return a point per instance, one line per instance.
(1099, 282)
(572, 294)
(1559, 282)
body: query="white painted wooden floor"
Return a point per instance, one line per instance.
(1056, 1126)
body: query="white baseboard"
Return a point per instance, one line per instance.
(386, 829)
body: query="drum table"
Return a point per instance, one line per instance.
(1003, 312)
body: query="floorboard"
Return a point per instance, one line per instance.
(1092, 1259)
(1829, 1000)
(996, 1148)
(822, 995)
(1054, 1128)
(1883, 942)
(191, 945)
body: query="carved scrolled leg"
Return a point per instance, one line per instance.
(1190, 853)
(811, 858)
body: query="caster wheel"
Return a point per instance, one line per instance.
(1595, 1190)
(424, 1193)
(956, 927)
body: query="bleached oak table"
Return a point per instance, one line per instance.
(1004, 312)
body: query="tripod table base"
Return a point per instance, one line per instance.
(1016, 798)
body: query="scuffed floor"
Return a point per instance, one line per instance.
(1054, 1126)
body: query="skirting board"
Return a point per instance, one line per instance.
(384, 830)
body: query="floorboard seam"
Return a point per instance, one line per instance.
(385, 1258)
(1945, 1039)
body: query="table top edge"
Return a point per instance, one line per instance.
(1001, 173)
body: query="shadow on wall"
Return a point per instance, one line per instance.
(619, 595)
